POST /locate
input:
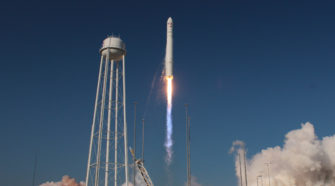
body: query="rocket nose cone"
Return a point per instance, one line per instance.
(169, 20)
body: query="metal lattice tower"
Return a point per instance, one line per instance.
(104, 168)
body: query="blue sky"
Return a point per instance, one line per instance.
(249, 70)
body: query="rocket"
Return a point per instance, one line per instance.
(169, 49)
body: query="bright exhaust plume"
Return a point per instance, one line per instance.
(169, 125)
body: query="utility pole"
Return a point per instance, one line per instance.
(245, 167)
(34, 170)
(134, 169)
(261, 178)
(257, 180)
(239, 159)
(189, 151)
(268, 165)
(188, 154)
(143, 140)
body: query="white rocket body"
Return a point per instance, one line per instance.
(169, 49)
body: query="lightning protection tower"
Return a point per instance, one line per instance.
(104, 168)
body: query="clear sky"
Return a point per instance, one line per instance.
(250, 70)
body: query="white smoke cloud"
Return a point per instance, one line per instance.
(66, 181)
(194, 182)
(139, 180)
(304, 160)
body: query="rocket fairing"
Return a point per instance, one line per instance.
(169, 49)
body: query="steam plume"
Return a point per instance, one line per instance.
(194, 181)
(304, 160)
(139, 180)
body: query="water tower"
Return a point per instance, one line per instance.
(103, 167)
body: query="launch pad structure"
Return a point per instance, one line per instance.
(103, 167)
(139, 167)
(110, 98)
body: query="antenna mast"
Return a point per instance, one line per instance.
(188, 144)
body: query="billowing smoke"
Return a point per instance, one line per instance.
(304, 160)
(194, 181)
(139, 180)
(66, 181)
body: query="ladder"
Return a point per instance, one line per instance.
(140, 167)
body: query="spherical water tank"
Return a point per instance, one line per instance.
(114, 46)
